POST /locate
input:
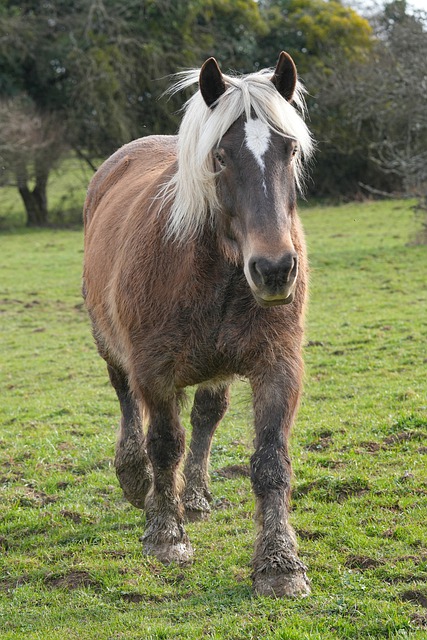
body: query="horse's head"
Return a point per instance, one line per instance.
(256, 164)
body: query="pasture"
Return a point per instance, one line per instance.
(70, 556)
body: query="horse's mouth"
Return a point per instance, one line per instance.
(273, 301)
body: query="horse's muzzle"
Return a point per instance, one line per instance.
(273, 282)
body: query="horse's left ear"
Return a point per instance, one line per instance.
(285, 76)
(211, 82)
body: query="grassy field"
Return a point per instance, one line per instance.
(70, 557)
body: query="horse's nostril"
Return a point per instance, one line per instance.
(288, 266)
(294, 267)
(256, 272)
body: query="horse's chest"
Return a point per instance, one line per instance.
(213, 336)
(218, 343)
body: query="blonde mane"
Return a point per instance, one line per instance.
(192, 190)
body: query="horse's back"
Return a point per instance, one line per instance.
(139, 161)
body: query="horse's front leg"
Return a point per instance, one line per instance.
(277, 570)
(210, 405)
(165, 536)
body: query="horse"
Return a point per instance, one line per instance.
(195, 272)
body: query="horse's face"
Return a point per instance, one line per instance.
(256, 187)
(257, 191)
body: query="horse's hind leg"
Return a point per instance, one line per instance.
(132, 465)
(210, 405)
(165, 536)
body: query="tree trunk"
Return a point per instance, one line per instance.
(35, 201)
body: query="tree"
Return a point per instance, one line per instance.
(231, 32)
(31, 143)
(324, 38)
(370, 111)
(91, 72)
(316, 33)
(98, 66)
(400, 146)
(32, 135)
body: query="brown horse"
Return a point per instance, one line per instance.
(195, 272)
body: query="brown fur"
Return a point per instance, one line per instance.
(167, 315)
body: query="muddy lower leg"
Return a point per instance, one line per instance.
(165, 536)
(277, 570)
(131, 461)
(209, 407)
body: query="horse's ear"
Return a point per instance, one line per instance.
(285, 76)
(211, 82)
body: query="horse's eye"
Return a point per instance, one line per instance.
(294, 151)
(219, 158)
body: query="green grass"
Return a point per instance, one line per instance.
(71, 564)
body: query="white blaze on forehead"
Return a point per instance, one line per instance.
(257, 139)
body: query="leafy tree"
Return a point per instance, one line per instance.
(231, 31)
(371, 113)
(324, 38)
(32, 137)
(316, 33)
(91, 72)
(400, 75)
(31, 143)
(100, 65)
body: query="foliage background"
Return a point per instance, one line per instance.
(87, 76)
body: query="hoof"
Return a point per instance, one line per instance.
(196, 503)
(179, 552)
(167, 540)
(282, 585)
(135, 483)
(196, 508)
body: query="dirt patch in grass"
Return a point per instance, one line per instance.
(330, 489)
(402, 436)
(9, 584)
(139, 597)
(419, 620)
(235, 471)
(71, 515)
(4, 543)
(407, 578)
(305, 534)
(370, 447)
(416, 596)
(362, 562)
(331, 464)
(12, 476)
(72, 580)
(133, 597)
(323, 441)
(391, 440)
(35, 499)
(415, 559)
